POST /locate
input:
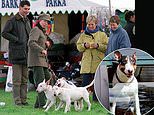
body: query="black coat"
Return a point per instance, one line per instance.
(17, 31)
(129, 28)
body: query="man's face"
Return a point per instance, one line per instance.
(24, 11)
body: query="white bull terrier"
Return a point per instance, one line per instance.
(124, 81)
(69, 95)
(48, 90)
(62, 82)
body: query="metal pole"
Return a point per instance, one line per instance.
(110, 7)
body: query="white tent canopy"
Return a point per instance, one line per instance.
(122, 5)
(11, 6)
(59, 10)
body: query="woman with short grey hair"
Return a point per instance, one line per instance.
(92, 43)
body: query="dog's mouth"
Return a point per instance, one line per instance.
(59, 85)
(128, 74)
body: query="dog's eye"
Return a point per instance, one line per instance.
(132, 61)
(123, 62)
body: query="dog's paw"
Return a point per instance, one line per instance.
(65, 111)
(44, 106)
(76, 109)
(46, 110)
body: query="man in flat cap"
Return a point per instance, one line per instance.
(37, 55)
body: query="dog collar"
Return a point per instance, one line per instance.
(68, 82)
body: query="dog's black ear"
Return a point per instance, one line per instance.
(117, 55)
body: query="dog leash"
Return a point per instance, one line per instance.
(148, 111)
(70, 83)
(129, 107)
(53, 76)
(142, 114)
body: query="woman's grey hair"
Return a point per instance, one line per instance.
(92, 18)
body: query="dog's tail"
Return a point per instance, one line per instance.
(89, 84)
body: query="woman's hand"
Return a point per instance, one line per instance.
(94, 45)
(47, 43)
(86, 45)
(44, 52)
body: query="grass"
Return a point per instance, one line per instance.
(11, 109)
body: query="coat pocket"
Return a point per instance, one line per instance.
(18, 54)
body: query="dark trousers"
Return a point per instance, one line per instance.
(86, 80)
(20, 80)
(39, 74)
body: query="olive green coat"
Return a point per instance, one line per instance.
(92, 57)
(36, 44)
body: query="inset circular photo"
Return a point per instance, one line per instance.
(124, 82)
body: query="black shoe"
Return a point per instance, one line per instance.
(26, 103)
(38, 106)
(95, 100)
(19, 104)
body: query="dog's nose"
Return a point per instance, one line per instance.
(54, 94)
(130, 71)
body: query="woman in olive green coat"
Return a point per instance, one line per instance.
(37, 56)
(92, 43)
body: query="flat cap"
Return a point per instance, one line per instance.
(44, 17)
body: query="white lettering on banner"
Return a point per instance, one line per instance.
(51, 3)
(10, 3)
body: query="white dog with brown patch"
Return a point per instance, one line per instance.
(69, 95)
(124, 82)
